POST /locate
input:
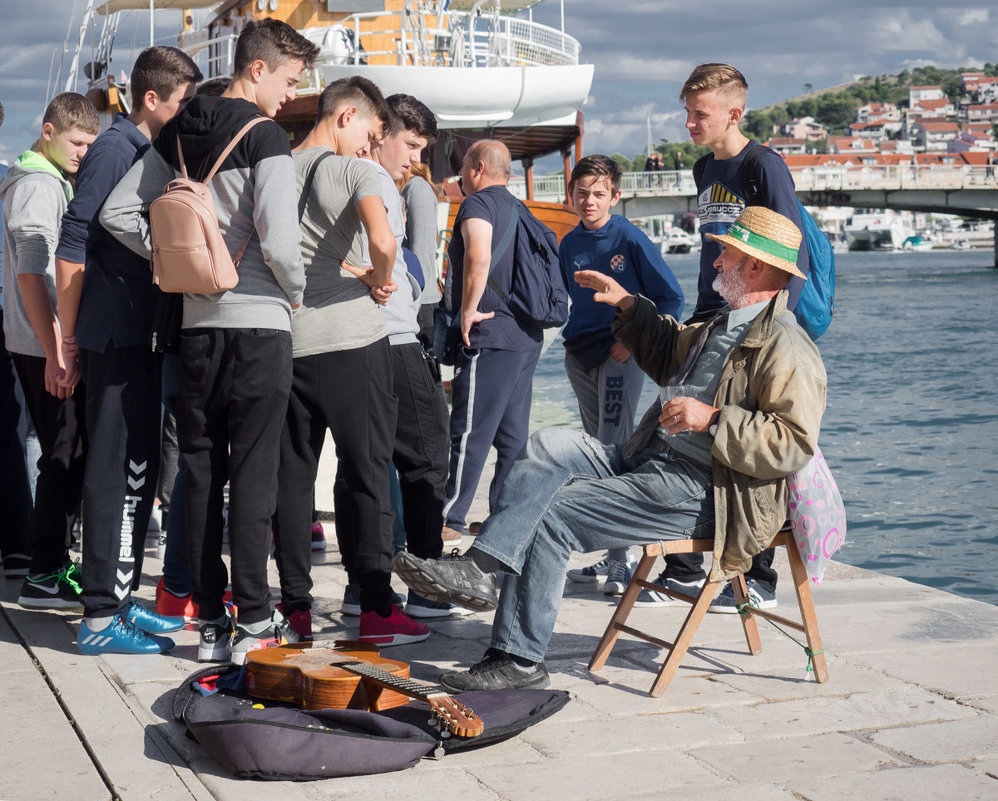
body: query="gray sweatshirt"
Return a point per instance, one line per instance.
(254, 193)
(421, 232)
(34, 195)
(402, 311)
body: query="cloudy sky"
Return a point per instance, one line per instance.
(642, 49)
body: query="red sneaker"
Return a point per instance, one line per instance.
(300, 622)
(170, 605)
(396, 629)
(318, 537)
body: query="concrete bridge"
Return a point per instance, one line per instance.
(937, 188)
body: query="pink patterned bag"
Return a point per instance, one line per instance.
(817, 515)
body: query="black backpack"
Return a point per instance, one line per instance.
(538, 296)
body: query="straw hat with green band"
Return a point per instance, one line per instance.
(766, 235)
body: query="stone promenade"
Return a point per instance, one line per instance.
(910, 711)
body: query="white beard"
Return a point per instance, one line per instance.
(730, 286)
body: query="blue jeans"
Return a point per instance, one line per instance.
(569, 492)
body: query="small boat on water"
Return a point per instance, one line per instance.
(676, 240)
(917, 243)
(881, 230)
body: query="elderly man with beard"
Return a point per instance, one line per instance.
(746, 393)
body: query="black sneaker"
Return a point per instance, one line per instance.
(58, 590)
(497, 671)
(453, 579)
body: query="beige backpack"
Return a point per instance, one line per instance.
(188, 251)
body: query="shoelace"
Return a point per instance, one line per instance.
(67, 576)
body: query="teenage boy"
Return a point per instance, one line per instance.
(35, 192)
(421, 452)
(341, 375)
(106, 307)
(605, 378)
(715, 96)
(235, 349)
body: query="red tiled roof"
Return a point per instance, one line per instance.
(939, 127)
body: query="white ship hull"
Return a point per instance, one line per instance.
(481, 97)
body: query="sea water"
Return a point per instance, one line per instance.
(911, 425)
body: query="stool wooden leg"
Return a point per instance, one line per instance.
(620, 614)
(748, 620)
(684, 639)
(807, 614)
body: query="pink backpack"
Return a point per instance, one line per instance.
(188, 251)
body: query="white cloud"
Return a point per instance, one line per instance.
(972, 16)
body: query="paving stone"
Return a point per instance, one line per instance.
(793, 759)
(859, 711)
(427, 780)
(41, 755)
(572, 776)
(731, 791)
(912, 783)
(954, 741)
(663, 732)
(952, 671)
(788, 683)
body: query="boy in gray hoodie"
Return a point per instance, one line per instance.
(35, 192)
(235, 350)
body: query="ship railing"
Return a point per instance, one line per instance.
(454, 39)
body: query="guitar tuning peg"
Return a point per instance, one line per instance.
(444, 734)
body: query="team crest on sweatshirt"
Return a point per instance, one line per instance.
(617, 263)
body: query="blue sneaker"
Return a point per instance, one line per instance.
(148, 621)
(121, 637)
(758, 597)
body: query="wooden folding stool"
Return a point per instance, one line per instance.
(698, 608)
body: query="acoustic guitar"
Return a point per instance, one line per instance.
(314, 675)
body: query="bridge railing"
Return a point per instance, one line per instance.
(807, 179)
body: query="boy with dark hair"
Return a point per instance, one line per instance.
(339, 333)
(106, 307)
(421, 449)
(35, 192)
(235, 350)
(605, 378)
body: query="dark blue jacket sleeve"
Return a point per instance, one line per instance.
(657, 281)
(99, 172)
(776, 186)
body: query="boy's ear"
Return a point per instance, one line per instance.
(150, 100)
(735, 114)
(256, 69)
(615, 199)
(346, 115)
(48, 130)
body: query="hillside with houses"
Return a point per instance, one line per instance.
(929, 128)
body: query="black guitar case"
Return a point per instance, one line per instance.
(255, 739)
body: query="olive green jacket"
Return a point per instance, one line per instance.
(771, 396)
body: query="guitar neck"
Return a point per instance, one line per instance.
(410, 687)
